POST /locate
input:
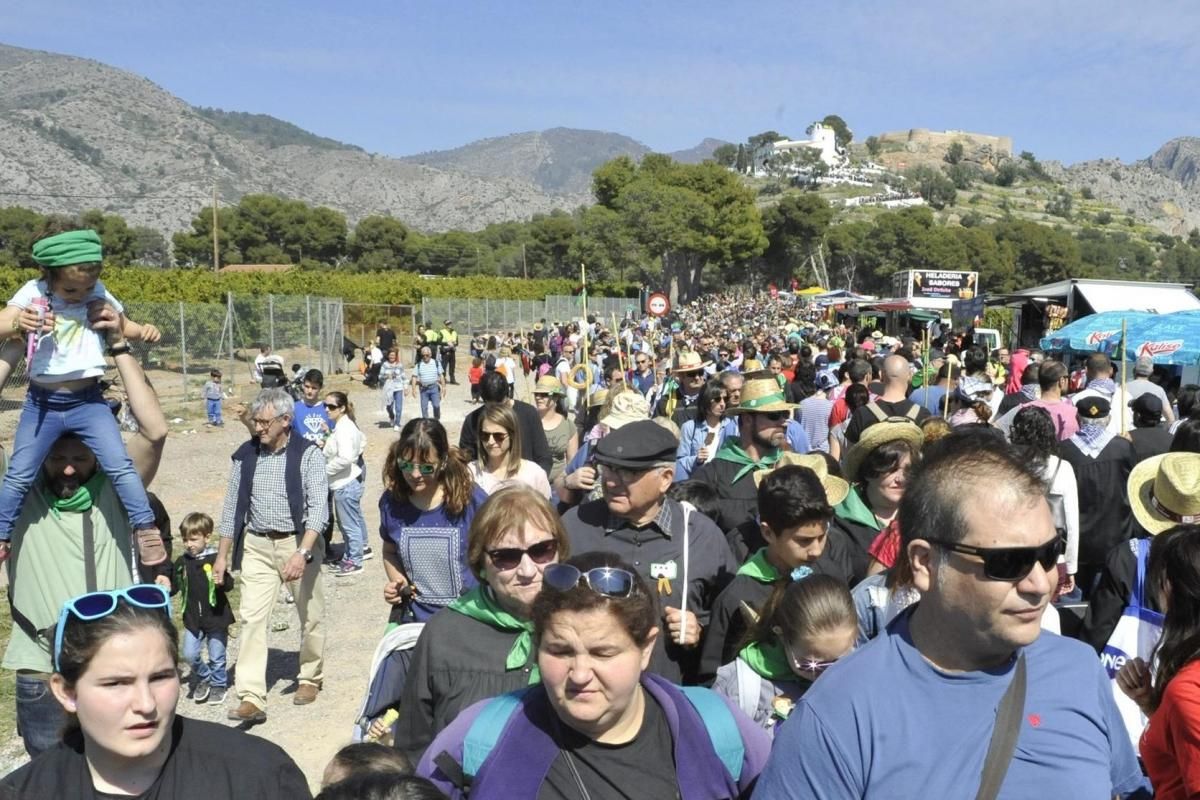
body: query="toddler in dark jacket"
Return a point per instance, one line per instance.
(206, 612)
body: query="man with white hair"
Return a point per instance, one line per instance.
(1141, 384)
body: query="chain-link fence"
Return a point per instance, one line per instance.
(199, 337)
(476, 315)
(362, 322)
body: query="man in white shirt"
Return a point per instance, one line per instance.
(1141, 384)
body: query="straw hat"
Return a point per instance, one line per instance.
(537, 326)
(836, 489)
(597, 398)
(1164, 491)
(626, 407)
(752, 365)
(548, 384)
(690, 362)
(762, 395)
(892, 429)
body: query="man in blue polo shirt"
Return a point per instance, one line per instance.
(912, 713)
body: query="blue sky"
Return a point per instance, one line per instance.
(1067, 80)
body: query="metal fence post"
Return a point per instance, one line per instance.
(321, 332)
(308, 319)
(487, 315)
(271, 318)
(183, 352)
(232, 320)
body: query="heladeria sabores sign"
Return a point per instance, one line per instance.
(930, 284)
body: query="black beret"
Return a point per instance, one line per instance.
(1093, 407)
(638, 445)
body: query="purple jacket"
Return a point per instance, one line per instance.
(525, 751)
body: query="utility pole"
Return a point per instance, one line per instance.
(524, 266)
(216, 248)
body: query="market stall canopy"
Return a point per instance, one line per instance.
(1168, 339)
(1102, 296)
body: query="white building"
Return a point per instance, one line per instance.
(824, 141)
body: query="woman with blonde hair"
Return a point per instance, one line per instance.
(551, 401)
(499, 462)
(426, 509)
(481, 645)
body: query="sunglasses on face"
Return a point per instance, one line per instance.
(506, 558)
(97, 605)
(1009, 563)
(406, 468)
(774, 416)
(807, 665)
(497, 436)
(332, 406)
(606, 581)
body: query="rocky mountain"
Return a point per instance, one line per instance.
(559, 161)
(1163, 189)
(77, 134)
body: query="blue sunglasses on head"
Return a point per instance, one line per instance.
(97, 605)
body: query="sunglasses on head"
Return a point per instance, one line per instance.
(497, 436)
(607, 581)
(1009, 563)
(510, 557)
(97, 605)
(406, 467)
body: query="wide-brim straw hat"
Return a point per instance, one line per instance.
(836, 489)
(762, 395)
(752, 365)
(690, 362)
(892, 429)
(1164, 491)
(548, 384)
(537, 326)
(597, 398)
(627, 407)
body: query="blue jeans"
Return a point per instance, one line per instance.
(397, 406)
(40, 718)
(214, 410)
(429, 394)
(44, 418)
(214, 670)
(348, 502)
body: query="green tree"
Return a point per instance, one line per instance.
(874, 146)
(725, 155)
(611, 178)
(1060, 205)
(150, 248)
(742, 163)
(794, 228)
(841, 131)
(380, 239)
(961, 175)
(1007, 173)
(551, 236)
(954, 153)
(606, 244)
(766, 137)
(1040, 254)
(18, 228)
(115, 236)
(938, 190)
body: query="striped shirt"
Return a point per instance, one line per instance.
(427, 372)
(269, 509)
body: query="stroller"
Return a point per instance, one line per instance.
(389, 670)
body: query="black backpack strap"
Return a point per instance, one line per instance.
(453, 771)
(1004, 735)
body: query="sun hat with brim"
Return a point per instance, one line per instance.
(836, 489)
(892, 429)
(690, 362)
(752, 365)
(548, 384)
(1164, 491)
(626, 407)
(762, 395)
(597, 398)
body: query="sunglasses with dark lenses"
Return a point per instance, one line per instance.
(97, 605)
(332, 406)
(606, 581)
(775, 416)
(497, 436)
(406, 468)
(510, 557)
(1010, 563)
(806, 665)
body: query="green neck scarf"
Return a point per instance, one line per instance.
(732, 452)
(77, 503)
(767, 660)
(66, 249)
(759, 568)
(478, 604)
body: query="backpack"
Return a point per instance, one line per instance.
(882, 417)
(718, 720)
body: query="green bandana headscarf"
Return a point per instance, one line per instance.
(66, 249)
(732, 452)
(79, 502)
(479, 605)
(767, 660)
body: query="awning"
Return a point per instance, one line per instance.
(922, 316)
(1157, 300)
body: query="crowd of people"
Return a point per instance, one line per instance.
(741, 552)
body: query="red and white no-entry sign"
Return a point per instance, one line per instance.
(658, 304)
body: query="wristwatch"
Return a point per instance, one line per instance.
(119, 349)
(308, 556)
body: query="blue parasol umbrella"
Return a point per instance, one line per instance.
(1168, 339)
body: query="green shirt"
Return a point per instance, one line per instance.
(46, 566)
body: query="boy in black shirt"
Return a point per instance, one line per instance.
(206, 611)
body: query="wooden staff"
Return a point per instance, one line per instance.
(1119, 406)
(925, 365)
(946, 399)
(620, 353)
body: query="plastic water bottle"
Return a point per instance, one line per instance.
(41, 304)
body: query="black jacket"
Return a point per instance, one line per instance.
(1112, 595)
(200, 613)
(207, 762)
(534, 446)
(738, 502)
(1105, 519)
